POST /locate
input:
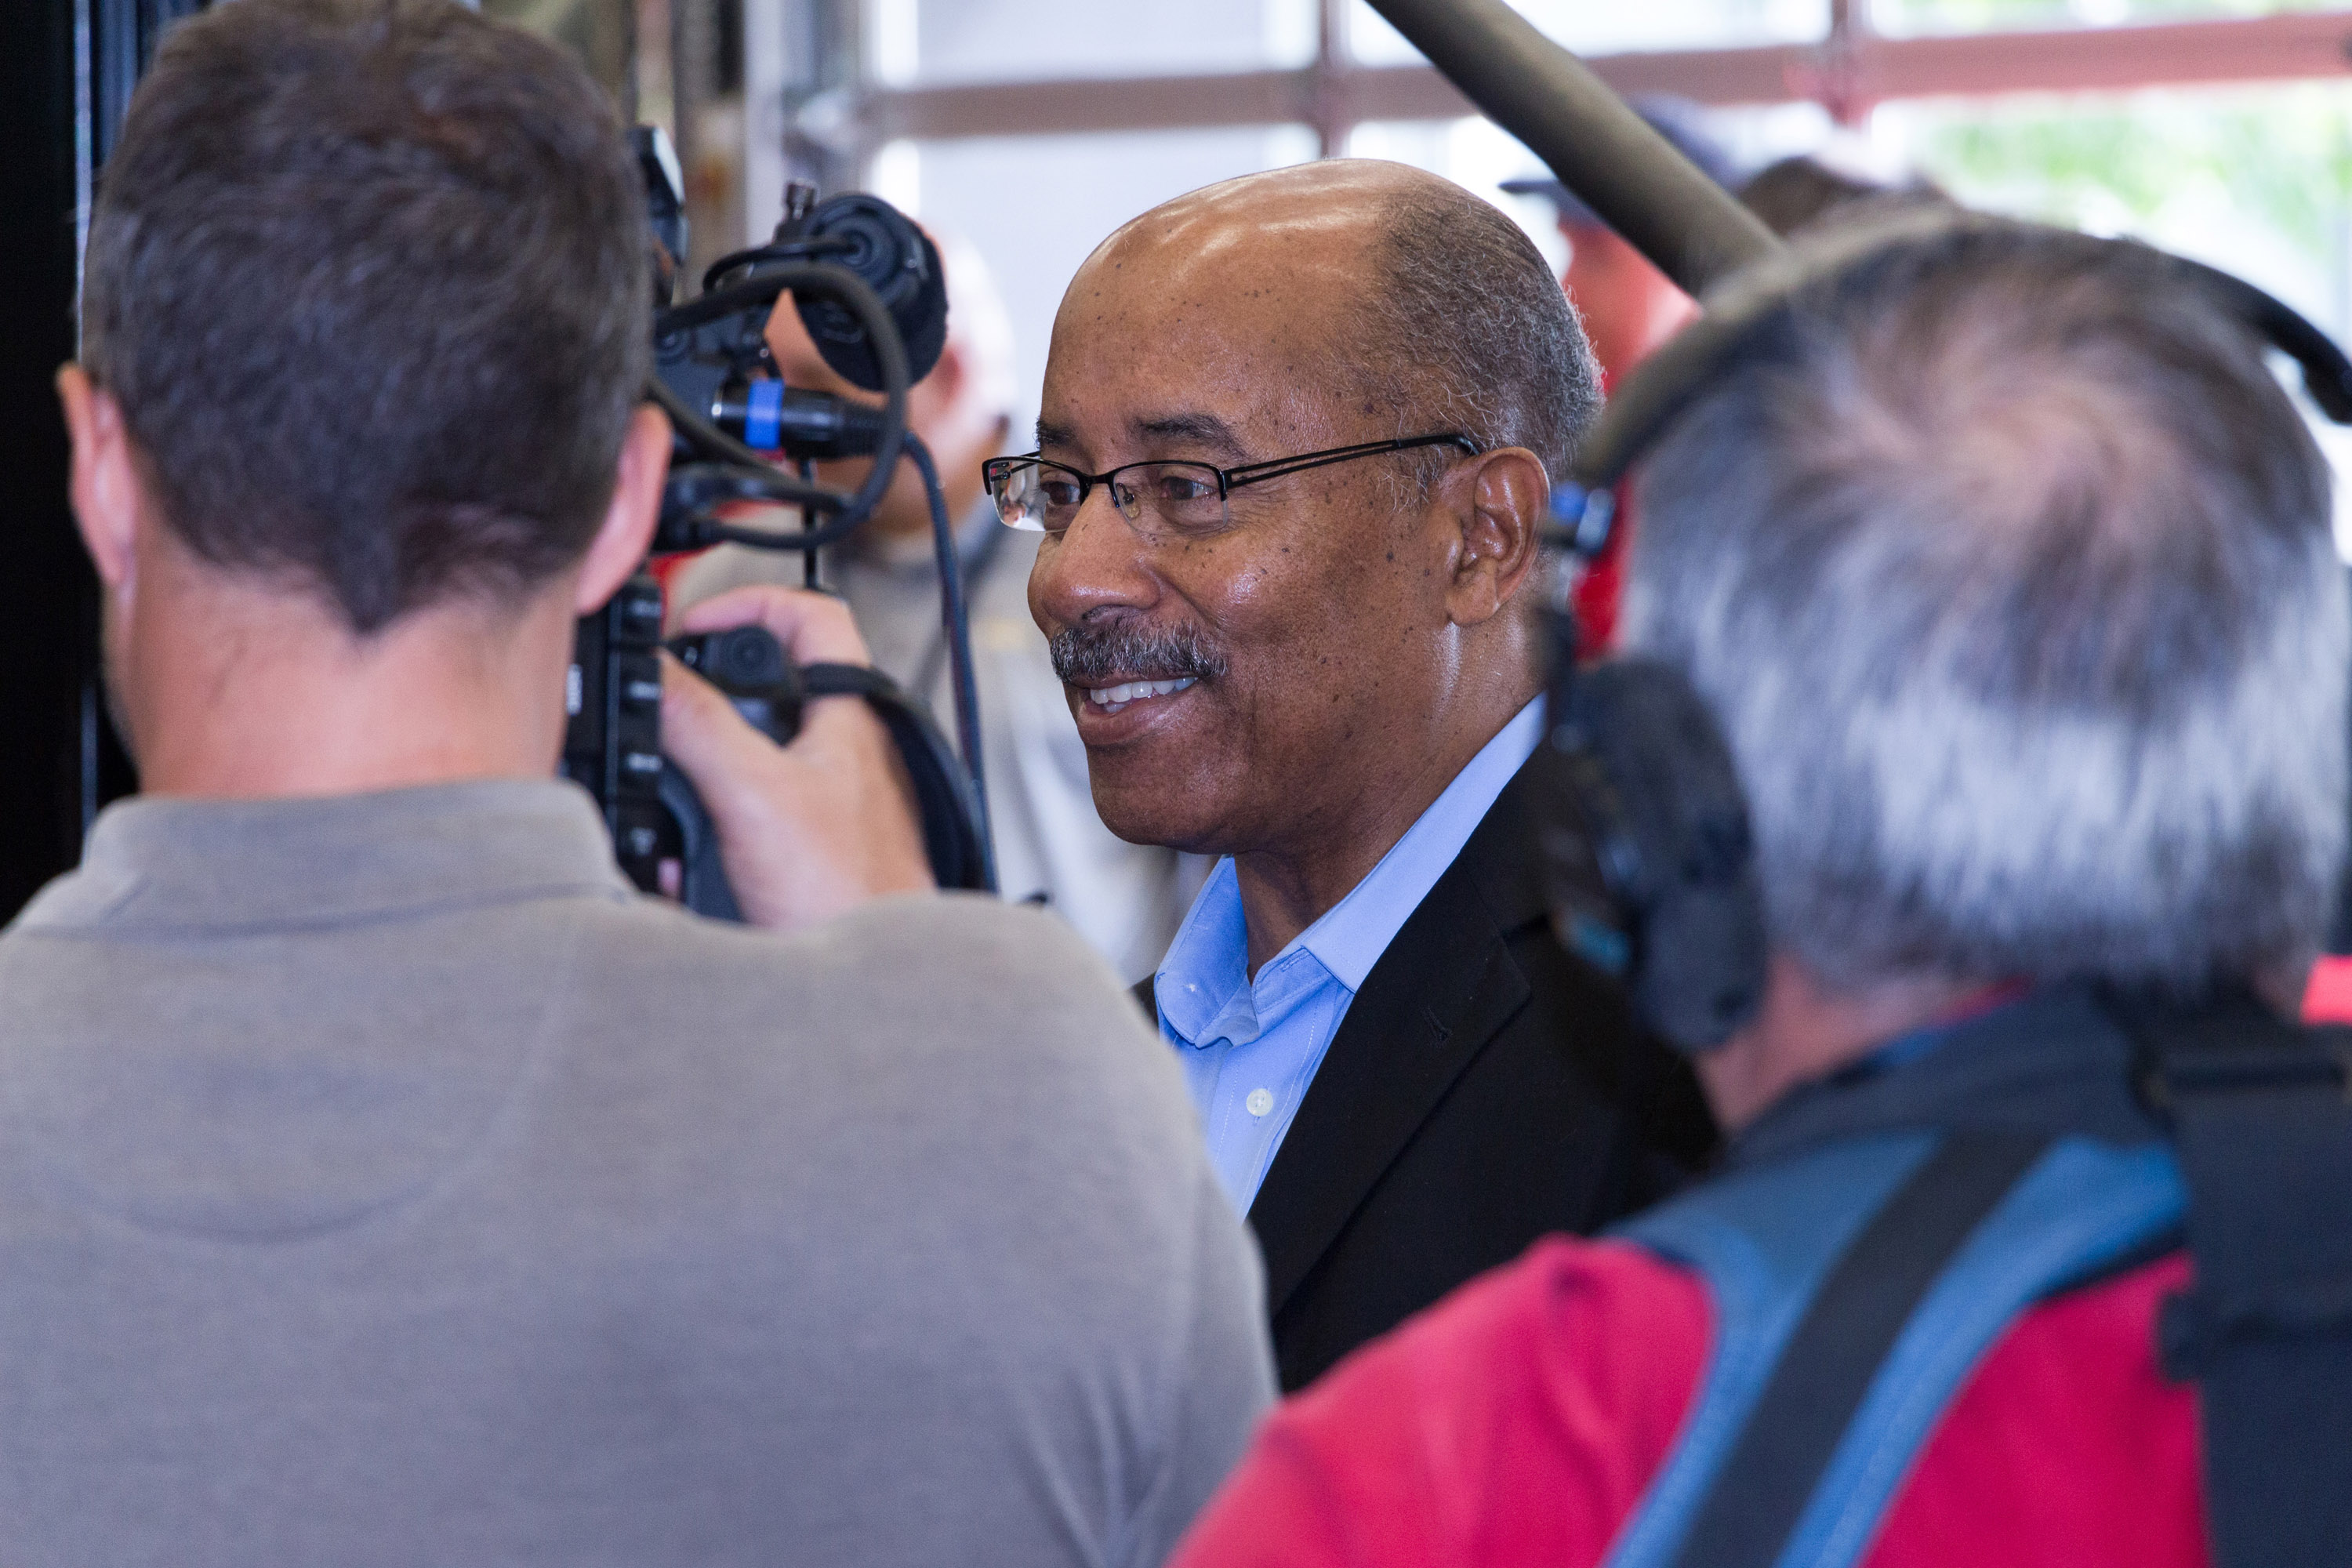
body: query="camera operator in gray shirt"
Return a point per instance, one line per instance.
(386, 1181)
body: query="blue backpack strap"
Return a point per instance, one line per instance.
(1756, 1479)
(1763, 1239)
(1850, 1325)
(2083, 1207)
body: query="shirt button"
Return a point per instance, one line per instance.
(1260, 1101)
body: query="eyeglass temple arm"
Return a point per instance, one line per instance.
(1251, 473)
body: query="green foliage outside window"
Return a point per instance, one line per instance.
(2208, 172)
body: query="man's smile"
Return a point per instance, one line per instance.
(1111, 699)
(1128, 676)
(1123, 709)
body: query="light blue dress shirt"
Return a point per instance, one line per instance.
(1250, 1047)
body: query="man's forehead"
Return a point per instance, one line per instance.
(1213, 364)
(1192, 429)
(1223, 279)
(1156, 273)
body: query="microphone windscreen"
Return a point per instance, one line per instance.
(901, 264)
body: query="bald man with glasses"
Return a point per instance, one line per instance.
(1295, 450)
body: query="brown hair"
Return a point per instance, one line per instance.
(369, 282)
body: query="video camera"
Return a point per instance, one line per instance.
(866, 284)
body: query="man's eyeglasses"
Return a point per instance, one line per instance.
(1039, 494)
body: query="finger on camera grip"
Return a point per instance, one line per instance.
(704, 735)
(814, 628)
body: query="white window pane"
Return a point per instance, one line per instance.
(2253, 180)
(975, 187)
(1598, 29)
(934, 42)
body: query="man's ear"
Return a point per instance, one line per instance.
(103, 478)
(1502, 500)
(628, 531)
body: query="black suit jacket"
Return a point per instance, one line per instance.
(1484, 1090)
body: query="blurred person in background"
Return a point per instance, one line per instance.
(1795, 193)
(1627, 308)
(1125, 899)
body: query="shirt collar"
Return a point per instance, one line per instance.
(1204, 964)
(176, 864)
(1207, 964)
(1352, 934)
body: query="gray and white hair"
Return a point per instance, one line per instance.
(1463, 327)
(2005, 565)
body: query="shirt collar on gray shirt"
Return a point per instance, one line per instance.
(163, 863)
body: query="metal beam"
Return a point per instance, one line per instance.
(2313, 45)
(1863, 69)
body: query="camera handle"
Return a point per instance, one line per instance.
(951, 826)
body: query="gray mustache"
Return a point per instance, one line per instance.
(1083, 658)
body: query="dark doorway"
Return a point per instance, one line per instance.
(67, 71)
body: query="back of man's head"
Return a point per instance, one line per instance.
(368, 279)
(2006, 564)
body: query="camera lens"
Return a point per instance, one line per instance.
(748, 656)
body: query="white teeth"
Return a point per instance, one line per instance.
(1111, 699)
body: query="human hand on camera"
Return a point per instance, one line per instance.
(808, 830)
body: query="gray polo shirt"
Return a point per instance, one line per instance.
(383, 1181)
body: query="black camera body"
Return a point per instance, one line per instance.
(612, 745)
(751, 668)
(866, 282)
(612, 739)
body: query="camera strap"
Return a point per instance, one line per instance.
(943, 798)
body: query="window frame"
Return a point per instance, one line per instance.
(1848, 72)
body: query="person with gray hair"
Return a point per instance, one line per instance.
(2058, 639)
(2002, 565)
(1297, 435)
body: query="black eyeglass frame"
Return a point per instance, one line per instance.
(993, 472)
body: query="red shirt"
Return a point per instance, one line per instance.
(1602, 588)
(2327, 999)
(1517, 1421)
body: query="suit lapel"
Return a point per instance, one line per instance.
(1444, 988)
